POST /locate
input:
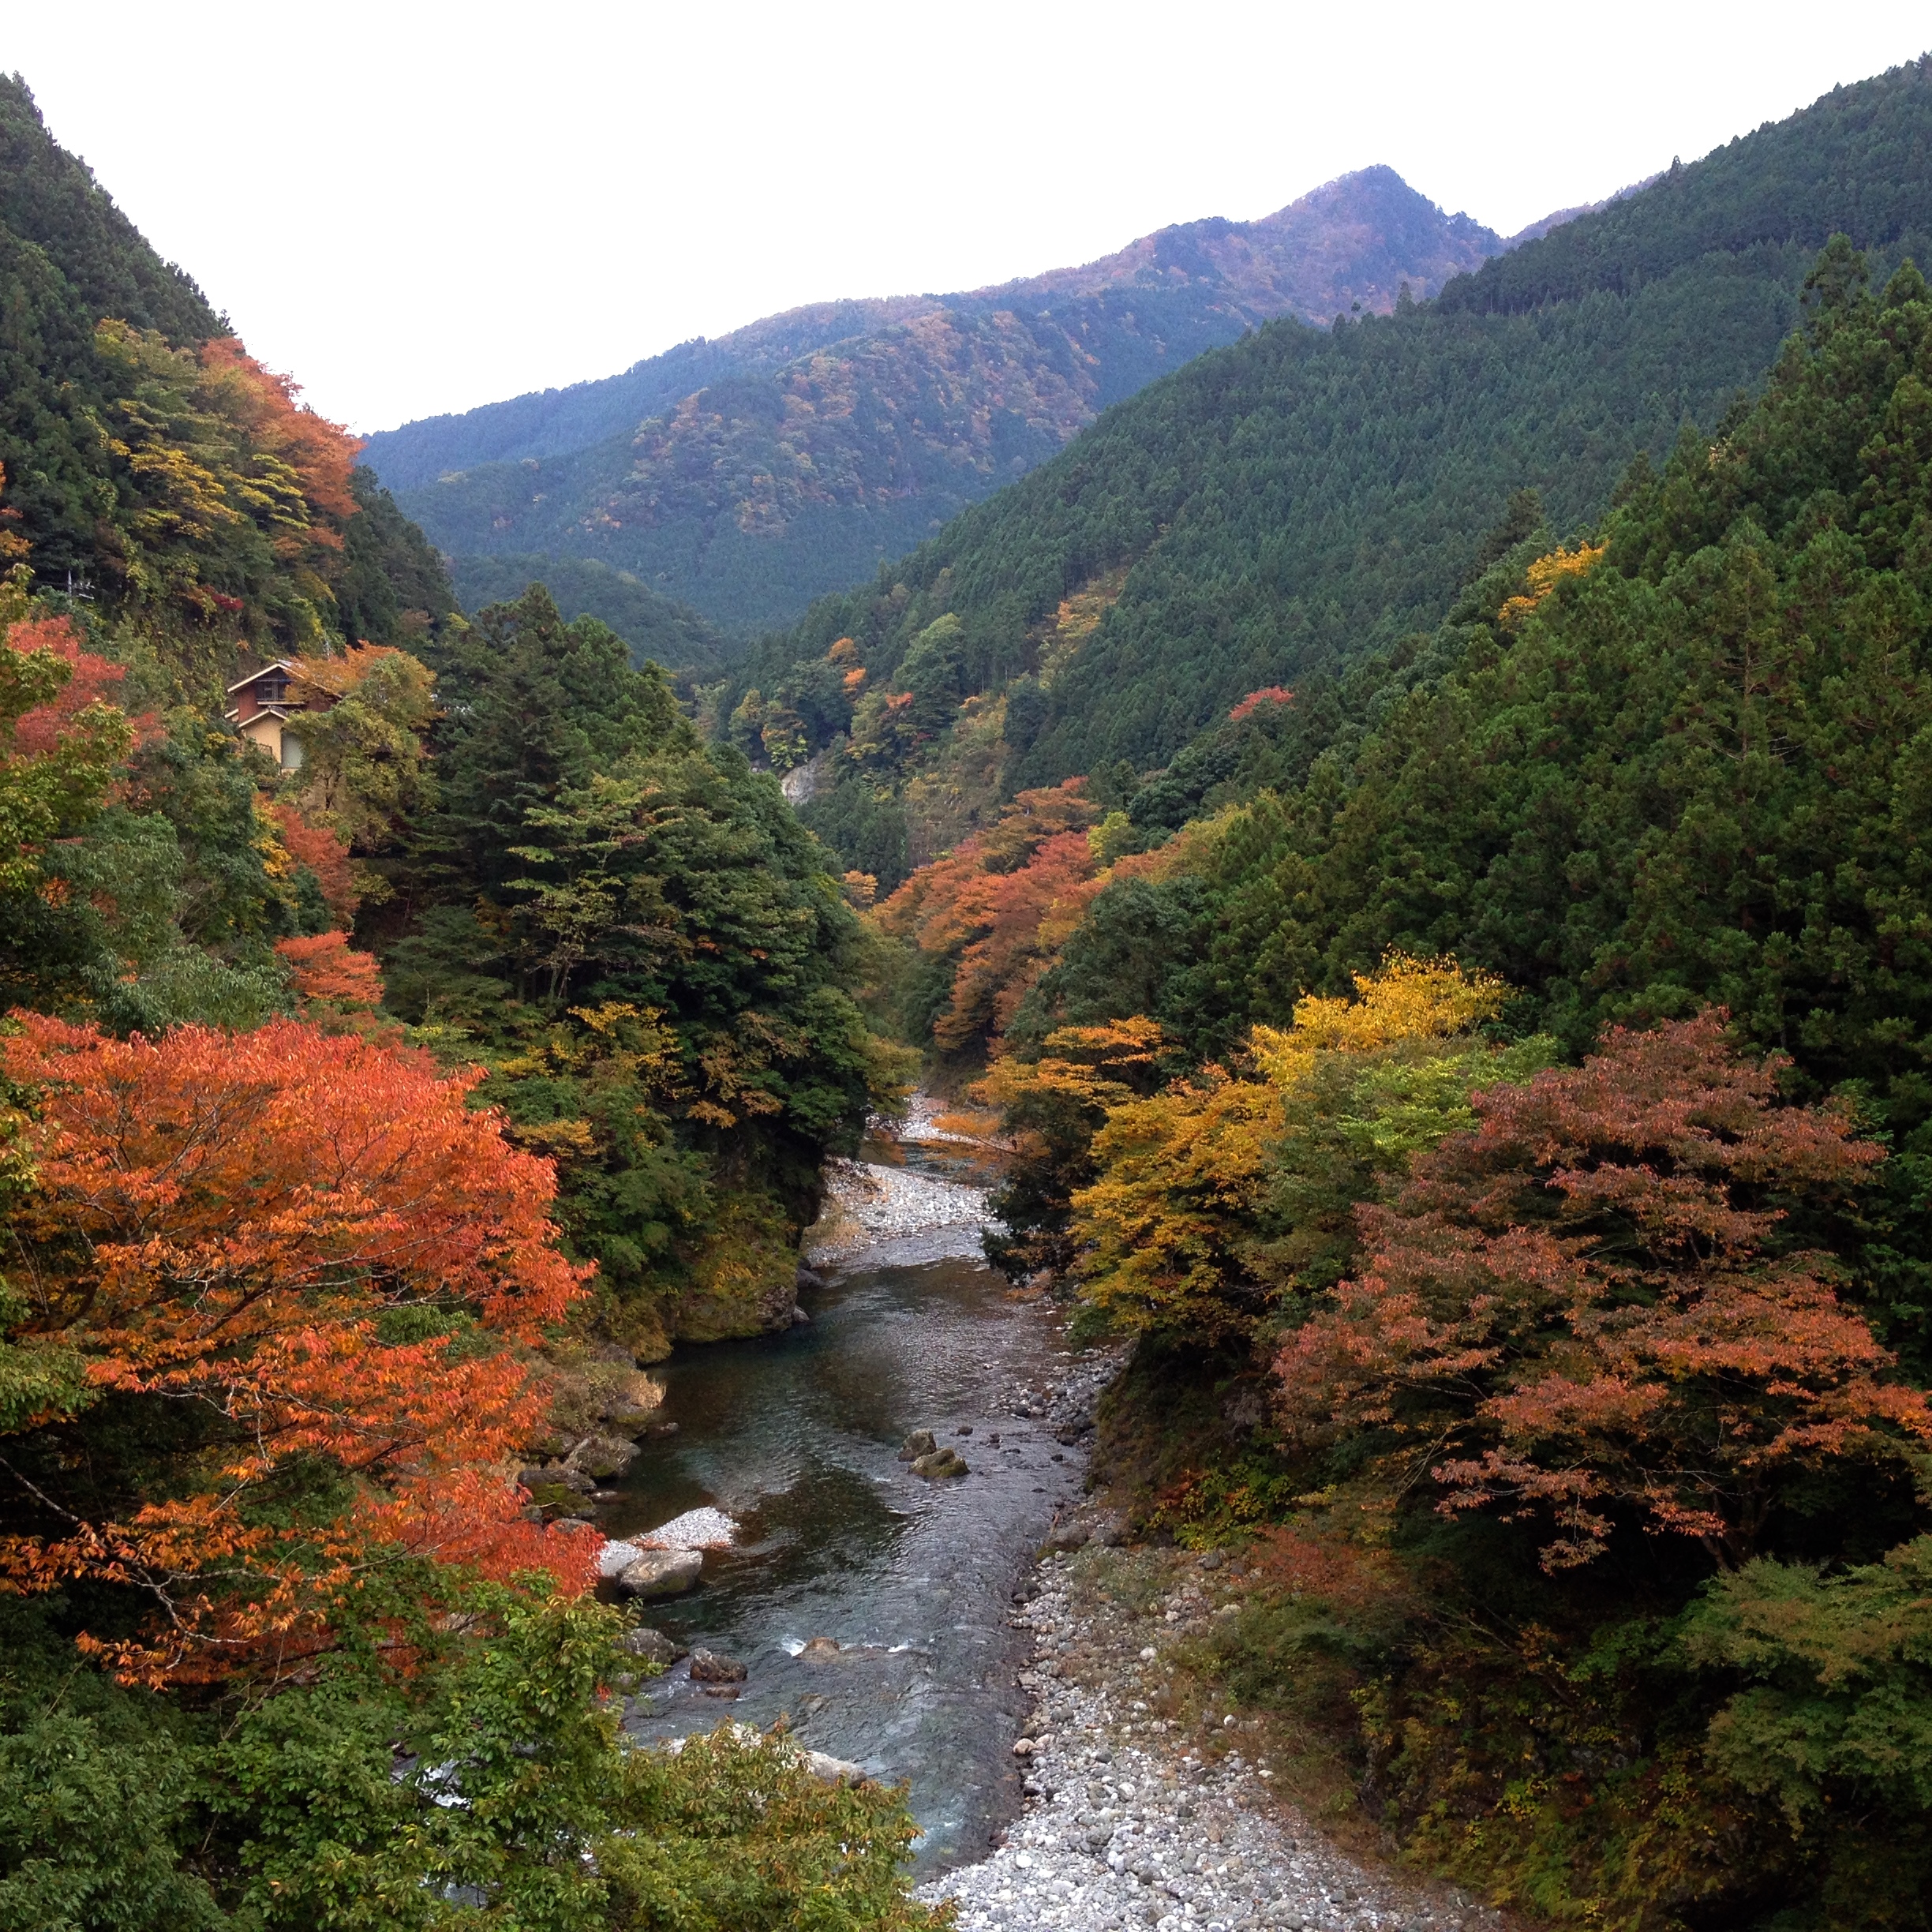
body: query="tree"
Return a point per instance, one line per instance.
(1229, 1193)
(309, 1253)
(990, 914)
(365, 773)
(1589, 1310)
(60, 744)
(324, 968)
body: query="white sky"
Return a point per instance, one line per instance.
(417, 206)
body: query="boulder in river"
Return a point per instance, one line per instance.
(919, 1443)
(709, 1667)
(832, 1770)
(940, 1462)
(662, 1573)
(652, 1646)
(602, 1455)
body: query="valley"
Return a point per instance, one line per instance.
(1107, 1104)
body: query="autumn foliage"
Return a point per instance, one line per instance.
(1000, 903)
(313, 1251)
(1184, 1228)
(326, 968)
(1590, 1311)
(1268, 694)
(60, 742)
(324, 854)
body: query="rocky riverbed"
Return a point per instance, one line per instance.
(1140, 1813)
(879, 1216)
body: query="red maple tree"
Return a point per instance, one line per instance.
(1588, 1307)
(1001, 902)
(325, 967)
(310, 1243)
(324, 854)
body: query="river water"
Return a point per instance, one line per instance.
(797, 1436)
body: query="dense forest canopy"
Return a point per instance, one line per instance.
(1505, 1069)
(658, 630)
(1281, 507)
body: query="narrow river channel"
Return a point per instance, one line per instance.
(795, 1436)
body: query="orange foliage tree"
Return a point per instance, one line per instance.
(325, 967)
(310, 1255)
(1216, 1196)
(1000, 903)
(1589, 1307)
(61, 744)
(324, 853)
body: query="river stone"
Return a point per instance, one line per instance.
(820, 1649)
(603, 1455)
(708, 1667)
(652, 1646)
(834, 1770)
(662, 1573)
(919, 1443)
(628, 1422)
(940, 1462)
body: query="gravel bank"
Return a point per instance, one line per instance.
(1131, 1821)
(880, 1217)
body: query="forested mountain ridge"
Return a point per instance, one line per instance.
(823, 439)
(1491, 1090)
(1290, 502)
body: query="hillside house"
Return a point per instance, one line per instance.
(261, 705)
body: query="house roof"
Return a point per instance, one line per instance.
(281, 663)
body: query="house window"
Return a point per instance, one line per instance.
(291, 752)
(271, 691)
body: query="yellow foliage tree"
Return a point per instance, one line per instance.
(1219, 1197)
(1543, 577)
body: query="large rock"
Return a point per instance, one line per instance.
(709, 1667)
(941, 1463)
(600, 1456)
(919, 1443)
(652, 1646)
(662, 1573)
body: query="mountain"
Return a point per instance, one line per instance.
(748, 475)
(1286, 505)
(655, 627)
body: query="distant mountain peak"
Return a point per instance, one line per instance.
(1352, 241)
(747, 474)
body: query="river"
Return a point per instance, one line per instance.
(796, 1437)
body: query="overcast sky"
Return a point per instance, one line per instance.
(416, 207)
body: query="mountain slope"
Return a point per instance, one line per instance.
(148, 462)
(1301, 497)
(655, 627)
(747, 475)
